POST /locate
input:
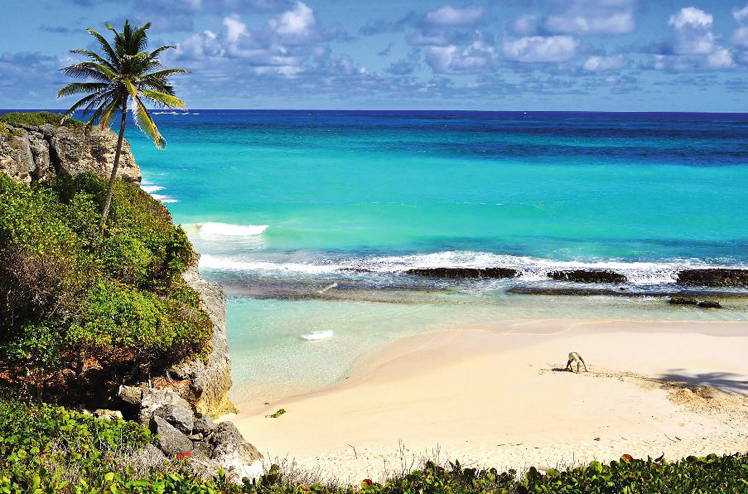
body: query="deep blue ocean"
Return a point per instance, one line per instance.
(310, 219)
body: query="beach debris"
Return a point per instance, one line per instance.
(277, 414)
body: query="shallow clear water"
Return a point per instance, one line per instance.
(311, 219)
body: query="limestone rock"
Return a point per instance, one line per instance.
(588, 276)
(108, 414)
(179, 416)
(230, 447)
(170, 440)
(33, 153)
(714, 277)
(209, 384)
(204, 424)
(464, 273)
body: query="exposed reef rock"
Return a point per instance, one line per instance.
(33, 153)
(464, 273)
(588, 276)
(714, 277)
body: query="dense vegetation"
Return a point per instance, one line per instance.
(74, 296)
(50, 449)
(38, 118)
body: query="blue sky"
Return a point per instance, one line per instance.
(616, 55)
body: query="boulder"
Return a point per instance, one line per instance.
(464, 273)
(102, 413)
(147, 400)
(714, 277)
(204, 424)
(179, 416)
(170, 440)
(588, 276)
(709, 304)
(230, 447)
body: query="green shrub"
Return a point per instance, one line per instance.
(38, 118)
(115, 295)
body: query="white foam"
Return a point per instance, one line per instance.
(151, 188)
(231, 264)
(318, 335)
(529, 268)
(211, 229)
(164, 198)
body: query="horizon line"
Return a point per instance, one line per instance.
(674, 112)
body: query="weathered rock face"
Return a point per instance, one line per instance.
(33, 153)
(464, 273)
(209, 383)
(588, 276)
(714, 277)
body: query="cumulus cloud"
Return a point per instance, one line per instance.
(589, 17)
(605, 63)
(451, 16)
(474, 58)
(691, 17)
(282, 47)
(541, 49)
(524, 25)
(741, 15)
(740, 36)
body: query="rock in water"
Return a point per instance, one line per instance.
(464, 273)
(710, 304)
(682, 301)
(170, 440)
(714, 277)
(588, 276)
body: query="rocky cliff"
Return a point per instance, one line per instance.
(33, 153)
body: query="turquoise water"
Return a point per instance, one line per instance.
(310, 219)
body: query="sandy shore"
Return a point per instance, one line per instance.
(500, 398)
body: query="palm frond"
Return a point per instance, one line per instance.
(146, 124)
(161, 99)
(82, 87)
(108, 50)
(95, 57)
(94, 70)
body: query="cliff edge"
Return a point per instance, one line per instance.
(36, 152)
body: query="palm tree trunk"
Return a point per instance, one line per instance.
(110, 190)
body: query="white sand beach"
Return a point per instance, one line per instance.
(500, 398)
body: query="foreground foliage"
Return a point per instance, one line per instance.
(51, 449)
(74, 297)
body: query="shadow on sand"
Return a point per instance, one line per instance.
(724, 381)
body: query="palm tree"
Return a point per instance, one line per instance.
(121, 74)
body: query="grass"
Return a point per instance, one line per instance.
(17, 119)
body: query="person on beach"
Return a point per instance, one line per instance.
(575, 357)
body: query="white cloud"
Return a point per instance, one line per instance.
(740, 36)
(525, 25)
(691, 17)
(234, 28)
(451, 16)
(541, 49)
(740, 15)
(615, 24)
(475, 58)
(588, 17)
(721, 59)
(296, 23)
(602, 64)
